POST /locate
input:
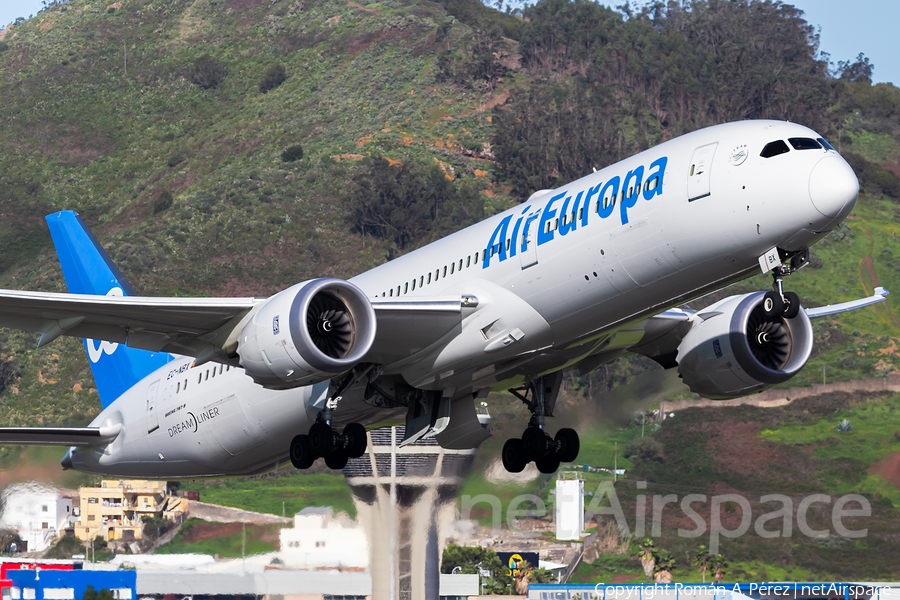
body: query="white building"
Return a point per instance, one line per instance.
(569, 506)
(321, 540)
(38, 512)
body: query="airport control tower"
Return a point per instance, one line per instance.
(406, 501)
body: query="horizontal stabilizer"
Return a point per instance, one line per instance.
(59, 436)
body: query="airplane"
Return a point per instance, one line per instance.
(569, 280)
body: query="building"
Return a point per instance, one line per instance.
(115, 509)
(37, 512)
(40, 584)
(321, 540)
(569, 506)
(7, 566)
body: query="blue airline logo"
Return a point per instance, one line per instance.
(632, 187)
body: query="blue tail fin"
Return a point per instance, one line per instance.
(88, 269)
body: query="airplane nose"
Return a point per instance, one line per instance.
(833, 186)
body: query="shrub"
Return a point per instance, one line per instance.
(292, 153)
(163, 202)
(274, 77)
(644, 449)
(207, 72)
(3, 47)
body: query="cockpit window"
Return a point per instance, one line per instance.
(825, 144)
(804, 144)
(774, 149)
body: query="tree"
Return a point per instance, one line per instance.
(91, 594)
(719, 566)
(665, 564)
(274, 77)
(701, 560)
(647, 555)
(407, 203)
(207, 72)
(163, 202)
(859, 71)
(474, 559)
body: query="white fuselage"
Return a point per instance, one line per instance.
(560, 282)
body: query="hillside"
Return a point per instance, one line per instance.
(235, 147)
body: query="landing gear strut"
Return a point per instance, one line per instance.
(778, 302)
(535, 445)
(324, 442)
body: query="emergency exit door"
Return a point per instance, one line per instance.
(698, 177)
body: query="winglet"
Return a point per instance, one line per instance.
(88, 269)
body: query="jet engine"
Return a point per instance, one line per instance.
(734, 349)
(307, 333)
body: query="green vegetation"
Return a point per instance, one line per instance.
(233, 152)
(227, 540)
(287, 492)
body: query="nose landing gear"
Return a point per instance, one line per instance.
(535, 444)
(778, 302)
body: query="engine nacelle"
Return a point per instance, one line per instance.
(308, 333)
(735, 349)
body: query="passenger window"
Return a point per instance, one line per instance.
(804, 144)
(445, 271)
(398, 290)
(460, 264)
(825, 144)
(214, 372)
(185, 384)
(206, 377)
(199, 377)
(421, 281)
(429, 277)
(414, 285)
(220, 369)
(469, 261)
(476, 257)
(452, 267)
(406, 287)
(774, 149)
(178, 387)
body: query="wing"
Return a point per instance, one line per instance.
(59, 436)
(207, 328)
(663, 332)
(190, 326)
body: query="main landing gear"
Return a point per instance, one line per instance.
(536, 445)
(324, 442)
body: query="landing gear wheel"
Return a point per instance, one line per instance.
(321, 439)
(534, 443)
(548, 464)
(567, 444)
(514, 456)
(773, 305)
(793, 305)
(355, 440)
(301, 455)
(337, 460)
